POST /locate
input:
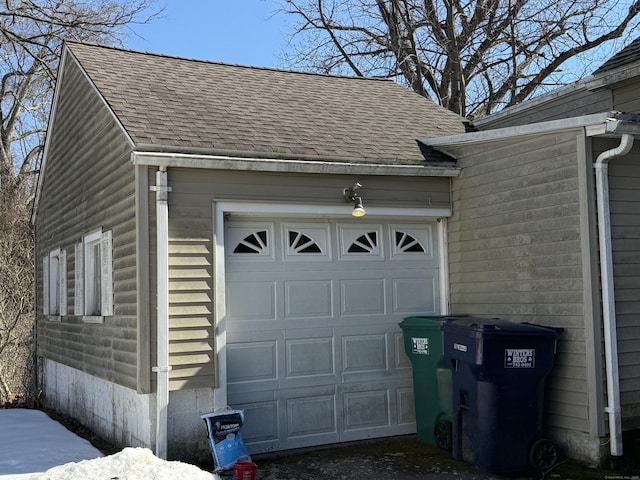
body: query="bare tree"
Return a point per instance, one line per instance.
(471, 56)
(31, 36)
(16, 296)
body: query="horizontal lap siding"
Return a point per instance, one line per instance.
(582, 102)
(191, 335)
(626, 98)
(89, 184)
(624, 178)
(515, 253)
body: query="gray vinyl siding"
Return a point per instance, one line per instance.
(88, 184)
(516, 252)
(624, 178)
(627, 98)
(191, 230)
(574, 104)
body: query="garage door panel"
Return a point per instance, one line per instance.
(406, 406)
(401, 360)
(312, 415)
(261, 423)
(329, 351)
(364, 353)
(364, 409)
(252, 361)
(364, 296)
(310, 357)
(414, 295)
(251, 301)
(308, 298)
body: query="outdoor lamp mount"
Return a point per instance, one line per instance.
(351, 195)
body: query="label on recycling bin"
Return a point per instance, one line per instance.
(519, 358)
(420, 346)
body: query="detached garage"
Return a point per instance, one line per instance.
(217, 200)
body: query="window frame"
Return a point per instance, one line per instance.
(94, 260)
(54, 285)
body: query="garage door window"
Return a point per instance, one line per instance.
(254, 244)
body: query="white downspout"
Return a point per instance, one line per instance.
(608, 295)
(162, 368)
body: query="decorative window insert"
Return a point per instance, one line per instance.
(409, 240)
(301, 243)
(54, 275)
(406, 243)
(305, 242)
(254, 243)
(249, 242)
(363, 242)
(94, 276)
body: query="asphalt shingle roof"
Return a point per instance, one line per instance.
(169, 103)
(629, 54)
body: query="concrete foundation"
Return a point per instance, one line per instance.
(126, 418)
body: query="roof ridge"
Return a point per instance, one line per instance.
(228, 64)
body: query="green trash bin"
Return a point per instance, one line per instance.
(432, 387)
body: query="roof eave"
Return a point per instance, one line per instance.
(283, 165)
(608, 123)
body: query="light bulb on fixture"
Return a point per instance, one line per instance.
(351, 195)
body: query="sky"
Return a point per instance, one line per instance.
(247, 32)
(34, 447)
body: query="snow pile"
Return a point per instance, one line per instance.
(129, 464)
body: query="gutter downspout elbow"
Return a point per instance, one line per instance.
(163, 368)
(613, 408)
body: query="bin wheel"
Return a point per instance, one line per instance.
(443, 434)
(543, 455)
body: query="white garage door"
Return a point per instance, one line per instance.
(314, 351)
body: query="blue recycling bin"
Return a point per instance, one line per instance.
(498, 376)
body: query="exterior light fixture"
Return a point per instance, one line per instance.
(351, 195)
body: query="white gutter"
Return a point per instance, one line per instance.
(162, 368)
(608, 295)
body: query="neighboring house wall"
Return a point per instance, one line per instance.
(88, 186)
(518, 240)
(626, 98)
(552, 106)
(624, 178)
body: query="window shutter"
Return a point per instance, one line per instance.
(106, 255)
(45, 285)
(62, 283)
(78, 305)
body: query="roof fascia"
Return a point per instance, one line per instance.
(612, 77)
(220, 162)
(47, 141)
(441, 143)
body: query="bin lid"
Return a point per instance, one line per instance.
(427, 321)
(486, 327)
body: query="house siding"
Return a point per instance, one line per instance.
(516, 252)
(191, 231)
(89, 184)
(624, 178)
(626, 98)
(574, 104)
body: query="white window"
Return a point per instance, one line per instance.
(54, 276)
(94, 276)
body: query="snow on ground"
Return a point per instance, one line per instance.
(35, 447)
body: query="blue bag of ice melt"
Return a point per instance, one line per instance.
(225, 438)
